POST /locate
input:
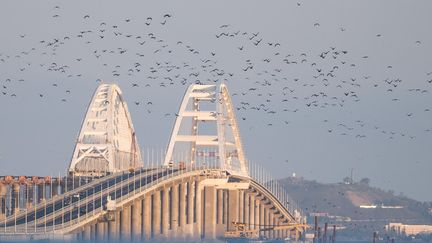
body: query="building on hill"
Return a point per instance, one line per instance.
(409, 229)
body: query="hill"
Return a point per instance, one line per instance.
(355, 206)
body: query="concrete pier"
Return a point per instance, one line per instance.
(174, 219)
(165, 211)
(233, 200)
(125, 223)
(156, 214)
(209, 219)
(147, 217)
(136, 214)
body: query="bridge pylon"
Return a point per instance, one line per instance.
(107, 142)
(206, 131)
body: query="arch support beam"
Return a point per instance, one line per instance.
(107, 141)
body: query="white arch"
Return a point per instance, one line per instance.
(225, 143)
(107, 141)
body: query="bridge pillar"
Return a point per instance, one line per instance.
(233, 200)
(247, 206)
(30, 195)
(209, 217)
(41, 192)
(86, 234)
(261, 216)
(93, 232)
(3, 192)
(15, 198)
(256, 214)
(266, 221)
(113, 227)
(156, 214)
(183, 204)
(55, 188)
(101, 231)
(191, 208)
(278, 223)
(147, 220)
(252, 211)
(136, 219)
(241, 207)
(174, 210)
(125, 223)
(220, 227)
(198, 227)
(272, 222)
(225, 210)
(165, 211)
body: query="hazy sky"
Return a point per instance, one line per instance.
(335, 85)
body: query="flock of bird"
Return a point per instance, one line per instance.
(146, 60)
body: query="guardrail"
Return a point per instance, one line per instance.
(54, 221)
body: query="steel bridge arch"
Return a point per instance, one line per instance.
(106, 142)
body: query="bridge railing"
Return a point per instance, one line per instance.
(258, 173)
(44, 223)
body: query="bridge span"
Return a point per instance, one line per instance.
(109, 194)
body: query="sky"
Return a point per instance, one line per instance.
(321, 87)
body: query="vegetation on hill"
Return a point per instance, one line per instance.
(356, 206)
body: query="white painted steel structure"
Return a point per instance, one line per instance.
(208, 105)
(107, 141)
(200, 199)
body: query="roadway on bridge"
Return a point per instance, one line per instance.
(80, 201)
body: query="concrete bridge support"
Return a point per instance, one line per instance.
(209, 214)
(125, 223)
(113, 227)
(41, 193)
(182, 207)
(174, 219)
(165, 211)
(190, 209)
(156, 214)
(191, 219)
(246, 208)
(233, 205)
(136, 217)
(220, 225)
(3, 192)
(101, 231)
(147, 220)
(15, 198)
(252, 210)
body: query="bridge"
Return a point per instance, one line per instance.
(201, 188)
